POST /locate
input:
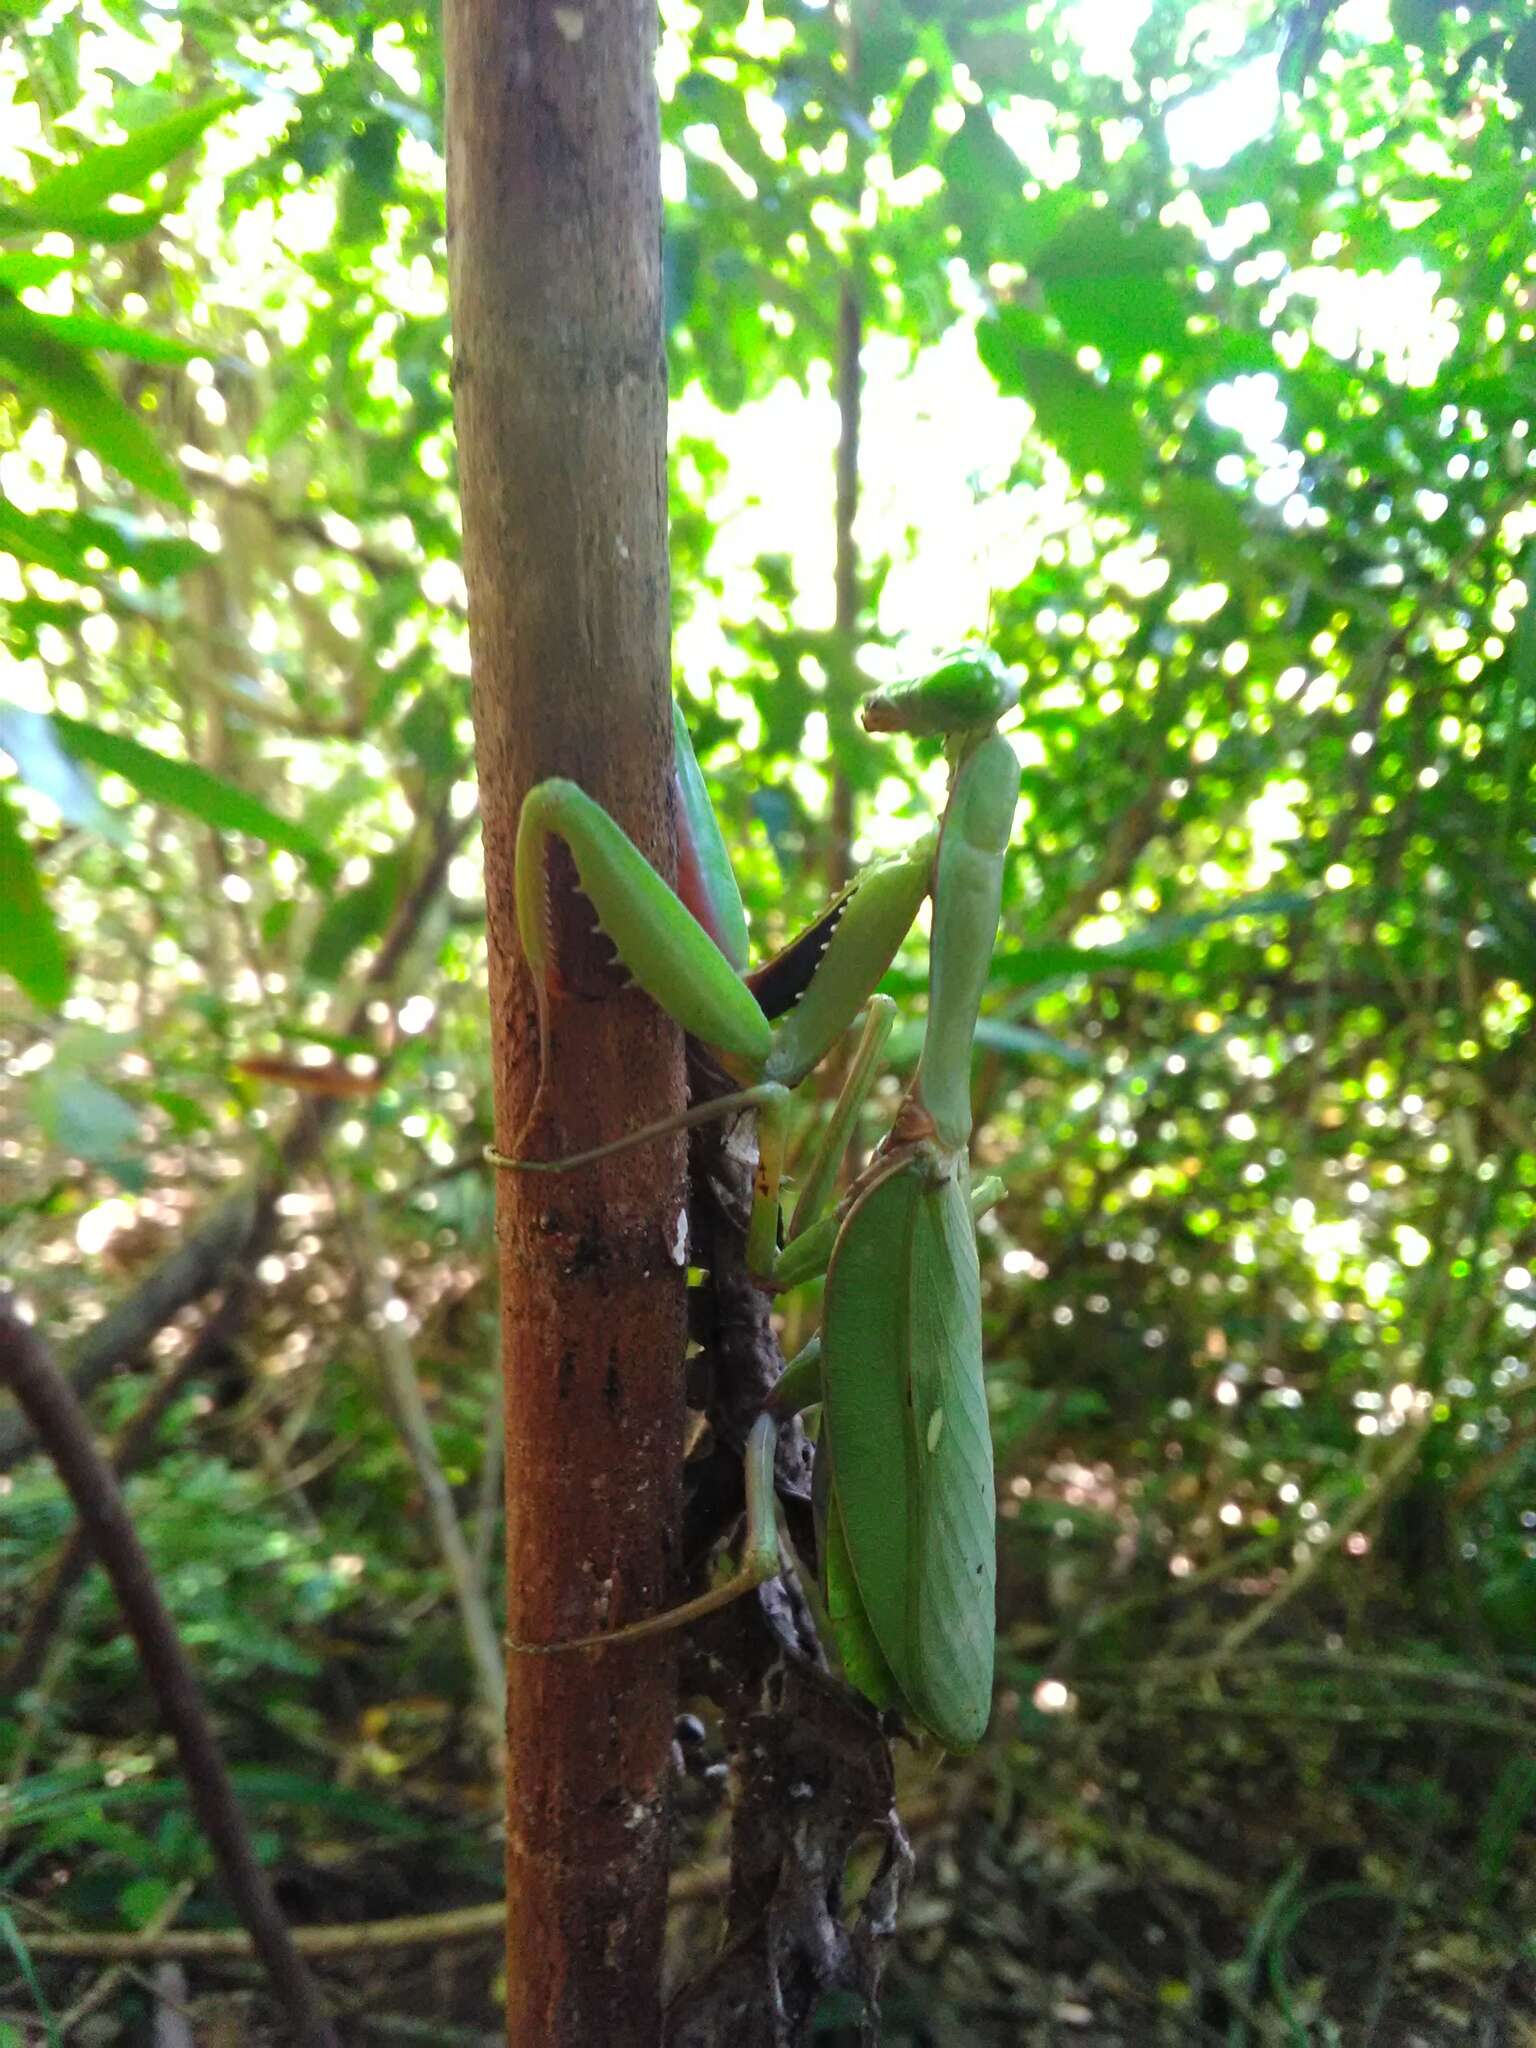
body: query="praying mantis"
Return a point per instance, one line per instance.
(903, 1484)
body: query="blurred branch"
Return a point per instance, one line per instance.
(1483, 1475)
(415, 1930)
(360, 1231)
(109, 1980)
(194, 1268)
(74, 1556)
(1348, 1713)
(311, 526)
(1292, 1658)
(60, 1422)
(277, 717)
(488, 1503)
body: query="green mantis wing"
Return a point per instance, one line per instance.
(859, 1653)
(905, 1428)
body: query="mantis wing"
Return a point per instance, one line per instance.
(905, 1421)
(705, 879)
(863, 1662)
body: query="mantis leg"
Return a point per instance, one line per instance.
(659, 940)
(833, 1142)
(772, 1105)
(763, 1096)
(760, 1559)
(764, 1258)
(807, 1256)
(799, 1384)
(874, 917)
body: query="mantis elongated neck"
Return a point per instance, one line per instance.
(967, 901)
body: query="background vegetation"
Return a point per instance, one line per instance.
(1196, 349)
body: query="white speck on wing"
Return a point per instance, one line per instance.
(935, 1429)
(571, 22)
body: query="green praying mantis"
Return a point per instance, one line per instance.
(903, 1485)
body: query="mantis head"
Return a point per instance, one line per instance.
(969, 691)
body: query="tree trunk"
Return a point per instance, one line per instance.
(554, 212)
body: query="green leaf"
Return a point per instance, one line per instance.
(1508, 1602)
(141, 1900)
(1092, 427)
(1418, 22)
(89, 1121)
(104, 225)
(1520, 67)
(980, 163)
(353, 918)
(32, 539)
(53, 1793)
(1162, 945)
(185, 787)
(86, 407)
(1109, 284)
(277, 920)
(187, 1116)
(32, 742)
(913, 126)
(11, 1935)
(427, 729)
(1509, 1806)
(21, 269)
(122, 167)
(1033, 224)
(286, 419)
(1205, 521)
(983, 177)
(1023, 1040)
(1522, 658)
(32, 947)
(133, 543)
(21, 328)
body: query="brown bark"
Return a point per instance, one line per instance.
(554, 212)
(44, 1393)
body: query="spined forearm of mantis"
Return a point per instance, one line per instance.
(903, 1495)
